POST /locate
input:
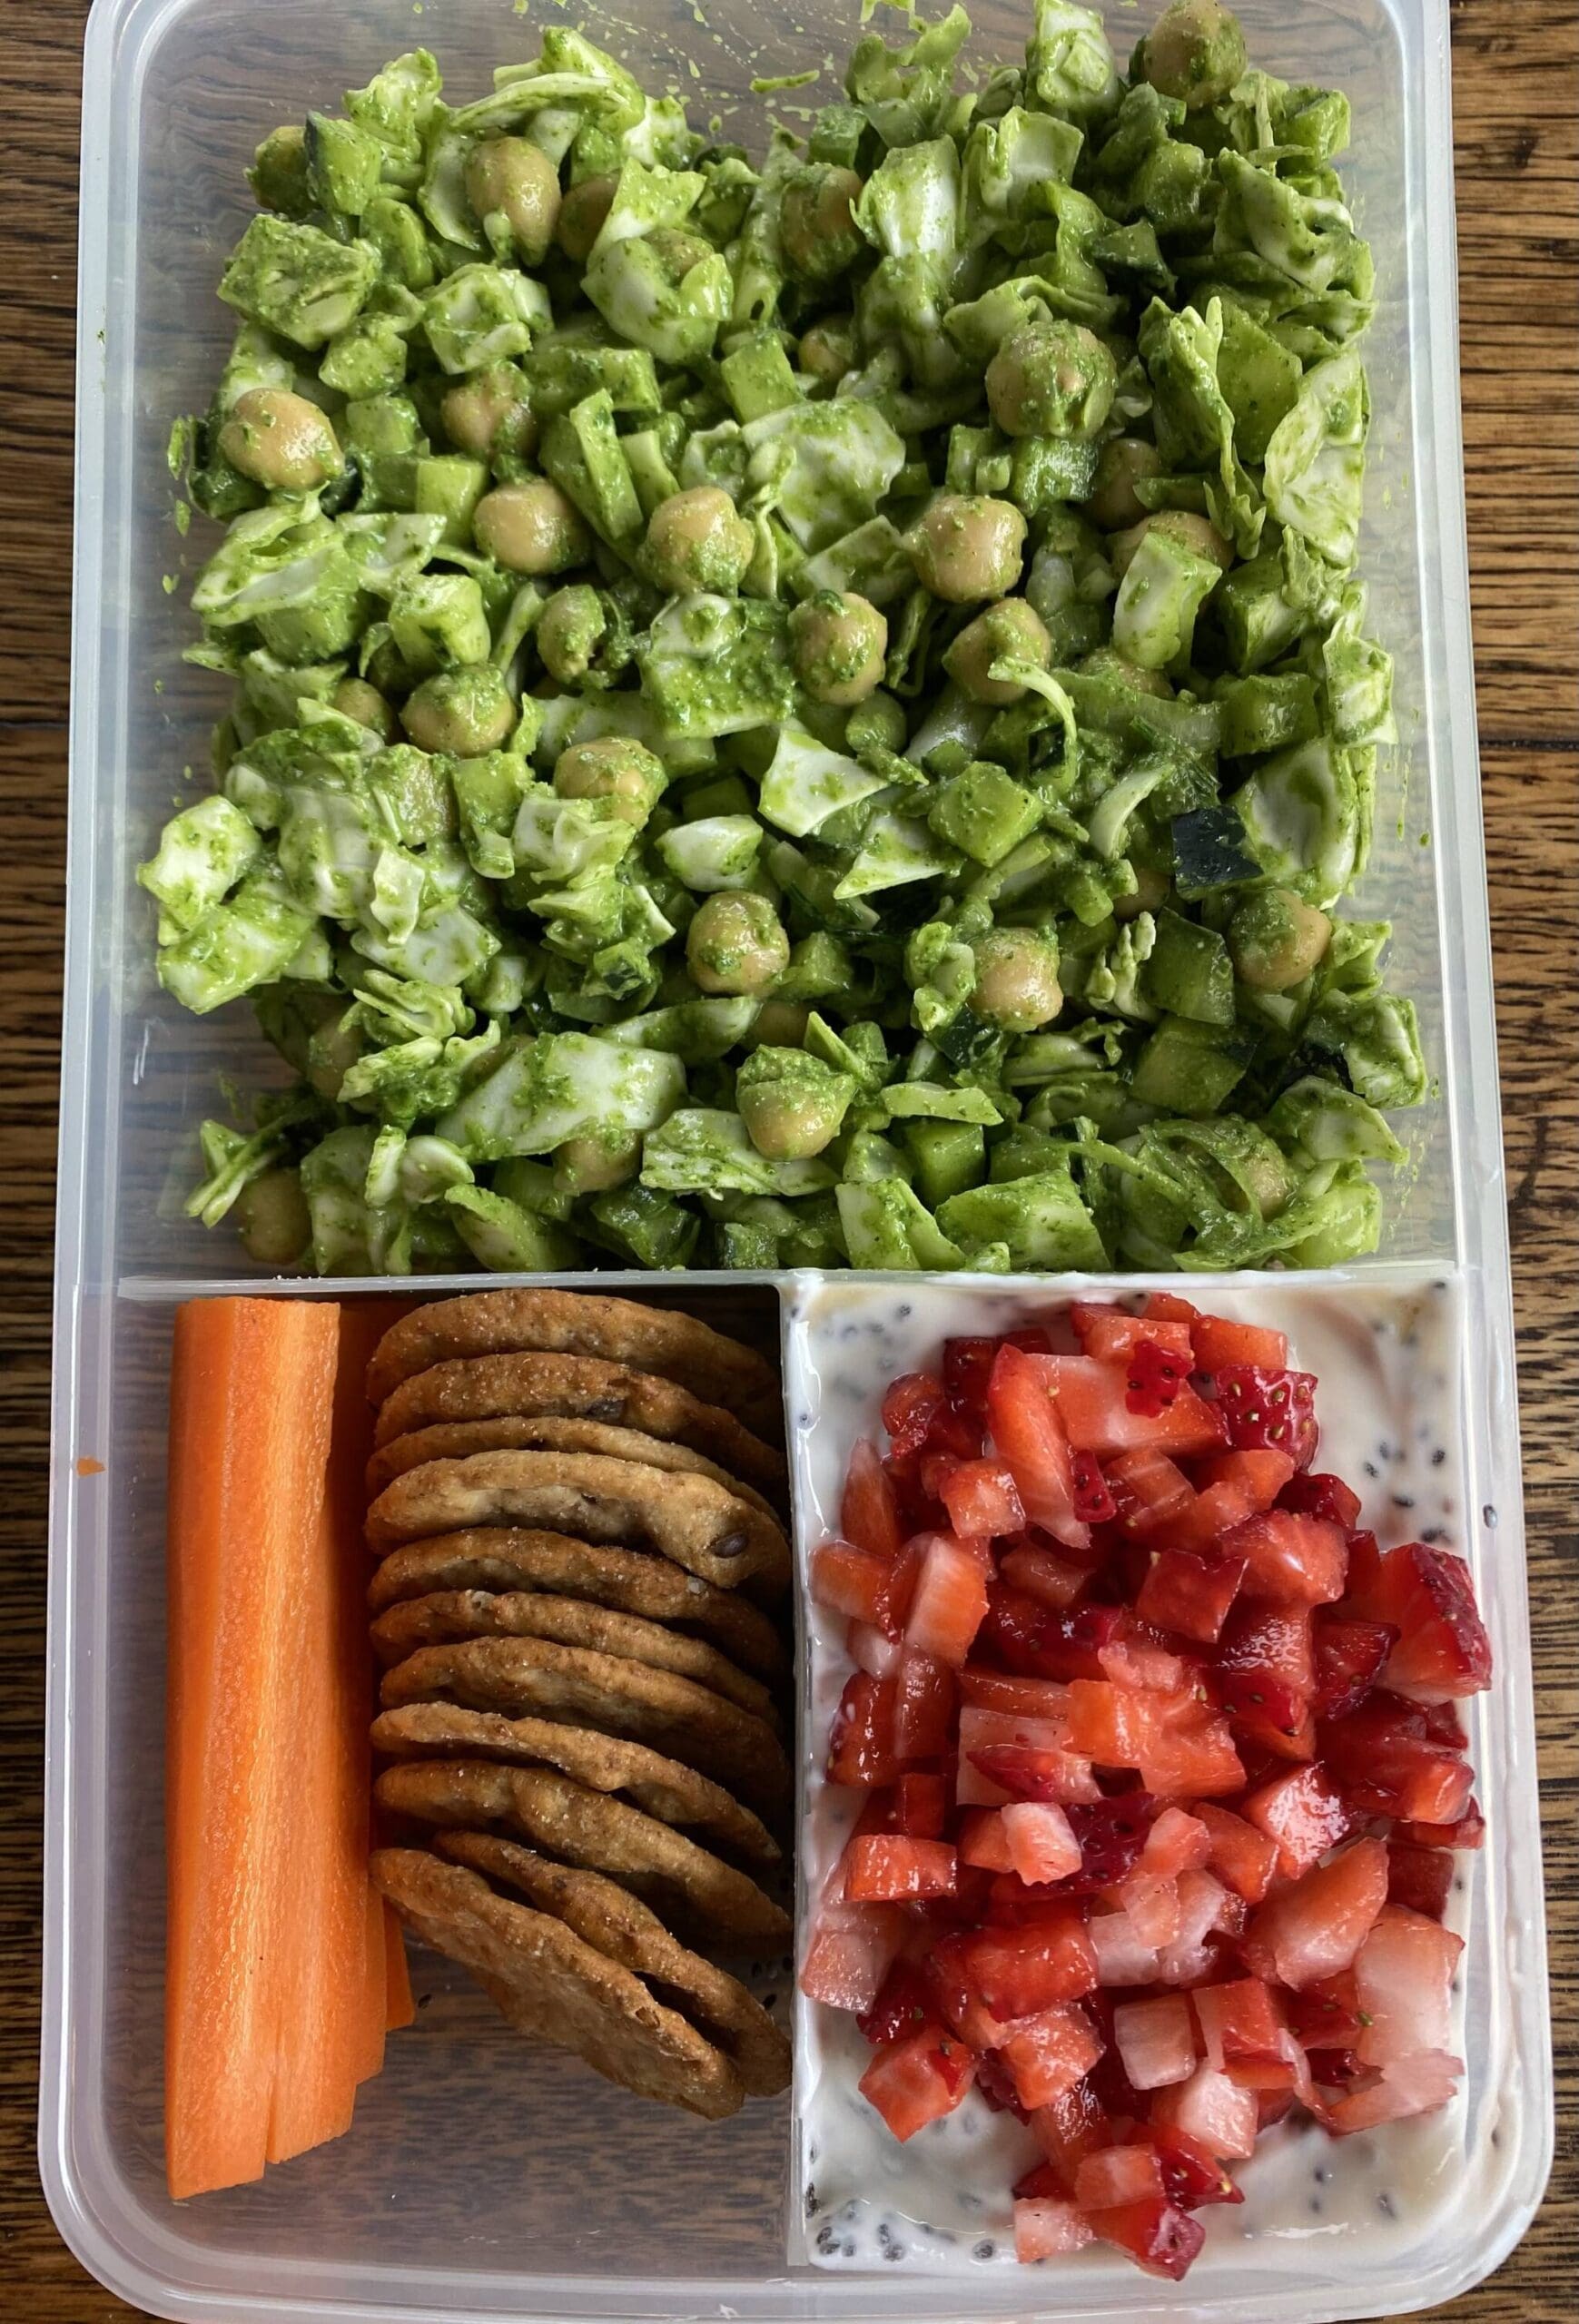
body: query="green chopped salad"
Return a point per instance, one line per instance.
(811, 708)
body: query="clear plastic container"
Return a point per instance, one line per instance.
(480, 2181)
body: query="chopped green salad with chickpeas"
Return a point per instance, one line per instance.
(803, 710)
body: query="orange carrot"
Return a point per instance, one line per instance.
(251, 1400)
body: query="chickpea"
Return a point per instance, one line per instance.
(510, 177)
(697, 540)
(581, 215)
(678, 252)
(827, 350)
(792, 1105)
(1017, 981)
(736, 944)
(463, 712)
(1193, 532)
(1051, 379)
(1277, 939)
(1269, 1180)
(280, 440)
(1196, 51)
(781, 1024)
(1149, 893)
(272, 1215)
(1124, 462)
(1106, 663)
(615, 767)
(1009, 627)
(531, 527)
(590, 1166)
(354, 698)
(570, 629)
(837, 644)
(475, 409)
(333, 1049)
(966, 549)
(817, 231)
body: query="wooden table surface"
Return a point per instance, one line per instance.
(1516, 112)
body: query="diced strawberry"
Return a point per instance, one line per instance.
(1167, 1307)
(915, 1508)
(1443, 1723)
(1264, 1675)
(1028, 1432)
(1161, 2240)
(1416, 2085)
(983, 1840)
(1213, 2110)
(1443, 1650)
(850, 1953)
(909, 1409)
(1118, 2174)
(968, 1362)
(891, 1869)
(1124, 1958)
(1036, 1571)
(1349, 1658)
(949, 1604)
(1385, 1763)
(1153, 1376)
(1049, 2051)
(1403, 1978)
(1017, 1972)
(1112, 1833)
(1137, 1656)
(1110, 1725)
(1468, 1832)
(1151, 1901)
(1316, 1495)
(1316, 1927)
(1239, 1855)
(862, 1751)
(904, 1569)
(1093, 1398)
(1237, 2020)
(871, 1650)
(903, 2005)
(1419, 1879)
(982, 1497)
(1037, 1642)
(921, 1805)
(1112, 1335)
(850, 1580)
(1257, 1477)
(1304, 1814)
(1205, 1906)
(1218, 1343)
(1015, 1696)
(1177, 1842)
(1041, 1846)
(1045, 2227)
(1069, 2127)
(913, 2082)
(1014, 1771)
(1326, 2014)
(1150, 1493)
(1276, 1409)
(1289, 1561)
(925, 1691)
(1156, 2040)
(1192, 2177)
(1093, 1503)
(868, 1511)
(1179, 1747)
(1189, 1594)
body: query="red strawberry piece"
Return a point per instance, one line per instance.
(985, 1840)
(1192, 2177)
(1257, 1477)
(868, 1511)
(1317, 1494)
(1443, 1726)
(1069, 2126)
(982, 1498)
(1315, 1927)
(851, 1951)
(1241, 2019)
(888, 1868)
(1129, 2173)
(1189, 1594)
(921, 1805)
(1049, 2051)
(902, 2006)
(849, 1581)
(1156, 2040)
(1092, 1500)
(1042, 2179)
(1419, 1879)
(1468, 1832)
(861, 1748)
(1265, 1670)
(1213, 2110)
(909, 1409)
(968, 1364)
(1031, 1439)
(1167, 1307)
(1150, 1493)
(1093, 1398)
(1416, 2085)
(1045, 2229)
(1112, 1833)
(1272, 1409)
(1442, 1650)
(949, 1603)
(1161, 2240)
(1240, 1856)
(1153, 1376)
(1350, 1659)
(924, 1695)
(1018, 1971)
(1326, 2016)
(893, 1606)
(1114, 1335)
(995, 2083)
(1289, 1561)
(1042, 1573)
(1385, 1764)
(1037, 1642)
(1218, 1342)
(913, 2082)
(1304, 1814)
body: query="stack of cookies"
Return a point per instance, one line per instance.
(580, 1609)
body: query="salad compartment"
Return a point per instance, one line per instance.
(480, 2181)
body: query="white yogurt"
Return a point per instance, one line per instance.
(1386, 1352)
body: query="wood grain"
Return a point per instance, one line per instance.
(1516, 106)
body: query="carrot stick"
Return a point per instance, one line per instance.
(251, 1399)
